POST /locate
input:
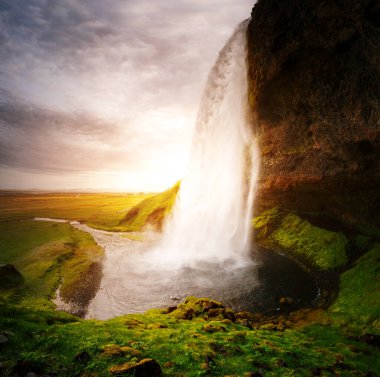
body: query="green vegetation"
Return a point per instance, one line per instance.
(288, 233)
(96, 210)
(150, 212)
(358, 301)
(183, 347)
(199, 337)
(46, 254)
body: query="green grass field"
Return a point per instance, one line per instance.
(97, 210)
(48, 254)
(196, 339)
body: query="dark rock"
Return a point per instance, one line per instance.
(22, 367)
(144, 368)
(244, 322)
(9, 276)
(314, 79)
(171, 309)
(82, 357)
(286, 301)
(30, 374)
(371, 339)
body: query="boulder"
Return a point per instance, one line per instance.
(9, 276)
(144, 368)
(82, 357)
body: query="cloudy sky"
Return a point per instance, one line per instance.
(103, 94)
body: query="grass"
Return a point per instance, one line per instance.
(199, 337)
(46, 254)
(150, 212)
(96, 210)
(182, 347)
(288, 233)
(358, 301)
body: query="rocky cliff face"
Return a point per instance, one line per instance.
(314, 88)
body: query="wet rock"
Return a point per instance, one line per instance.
(144, 368)
(286, 301)
(82, 357)
(9, 276)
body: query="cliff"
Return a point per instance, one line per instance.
(314, 90)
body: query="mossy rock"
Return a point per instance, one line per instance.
(196, 307)
(288, 233)
(358, 300)
(9, 276)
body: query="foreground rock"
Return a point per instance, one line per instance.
(144, 368)
(9, 276)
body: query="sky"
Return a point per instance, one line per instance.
(103, 94)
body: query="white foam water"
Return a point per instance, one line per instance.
(211, 220)
(205, 248)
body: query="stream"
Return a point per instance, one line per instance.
(131, 284)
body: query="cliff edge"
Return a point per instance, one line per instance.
(314, 89)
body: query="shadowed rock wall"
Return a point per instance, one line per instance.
(314, 87)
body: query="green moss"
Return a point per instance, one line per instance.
(189, 348)
(290, 234)
(358, 300)
(46, 254)
(150, 212)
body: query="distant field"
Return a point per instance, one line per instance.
(52, 254)
(97, 210)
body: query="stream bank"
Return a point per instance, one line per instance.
(270, 284)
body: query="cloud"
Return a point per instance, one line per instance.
(104, 85)
(39, 139)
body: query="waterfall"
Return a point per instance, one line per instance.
(205, 247)
(211, 219)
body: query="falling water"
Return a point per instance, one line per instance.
(204, 250)
(212, 215)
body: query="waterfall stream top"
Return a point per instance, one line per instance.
(211, 218)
